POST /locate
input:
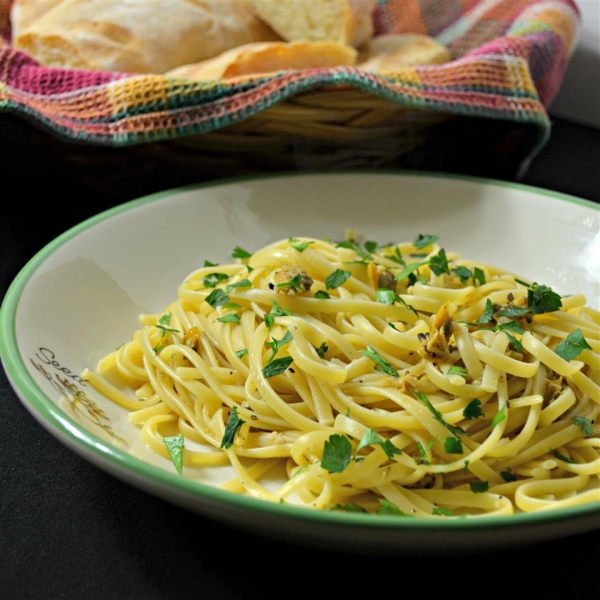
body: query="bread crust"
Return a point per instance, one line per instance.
(139, 36)
(262, 58)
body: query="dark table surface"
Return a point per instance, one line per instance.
(69, 530)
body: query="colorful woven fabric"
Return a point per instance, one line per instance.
(509, 58)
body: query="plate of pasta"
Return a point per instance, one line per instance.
(366, 361)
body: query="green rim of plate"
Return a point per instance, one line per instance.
(74, 435)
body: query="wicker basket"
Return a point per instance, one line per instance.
(330, 126)
(321, 130)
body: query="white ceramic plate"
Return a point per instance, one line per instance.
(82, 294)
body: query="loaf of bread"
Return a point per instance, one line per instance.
(24, 12)
(396, 51)
(139, 36)
(342, 21)
(261, 58)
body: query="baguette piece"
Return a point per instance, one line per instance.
(342, 21)
(139, 36)
(24, 12)
(396, 51)
(261, 58)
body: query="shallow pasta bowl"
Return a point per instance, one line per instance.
(82, 295)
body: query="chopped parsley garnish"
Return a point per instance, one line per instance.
(562, 457)
(456, 370)
(584, 424)
(500, 416)
(541, 299)
(240, 253)
(442, 512)
(372, 438)
(298, 245)
(437, 415)
(277, 366)
(508, 476)
(174, 446)
(424, 240)
(389, 508)
(233, 424)
(479, 487)
(439, 263)
(322, 350)
(276, 311)
(385, 296)
(337, 453)
(473, 410)
(463, 273)
(275, 345)
(453, 445)
(217, 298)
(488, 313)
(337, 278)
(238, 284)
(242, 352)
(573, 346)
(322, 294)
(295, 283)
(350, 507)
(229, 318)
(383, 364)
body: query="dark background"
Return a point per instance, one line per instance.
(70, 531)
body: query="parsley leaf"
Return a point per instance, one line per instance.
(276, 311)
(573, 346)
(389, 508)
(238, 284)
(585, 424)
(298, 245)
(424, 240)
(473, 410)
(174, 446)
(437, 415)
(337, 453)
(242, 352)
(439, 263)
(337, 278)
(229, 318)
(500, 416)
(562, 457)
(541, 299)
(385, 296)
(278, 366)
(453, 445)
(463, 273)
(217, 298)
(508, 476)
(322, 294)
(322, 350)
(275, 345)
(240, 253)
(479, 487)
(372, 438)
(233, 424)
(488, 313)
(456, 370)
(442, 512)
(385, 366)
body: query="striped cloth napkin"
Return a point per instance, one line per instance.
(508, 61)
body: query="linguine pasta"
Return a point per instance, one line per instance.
(391, 379)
